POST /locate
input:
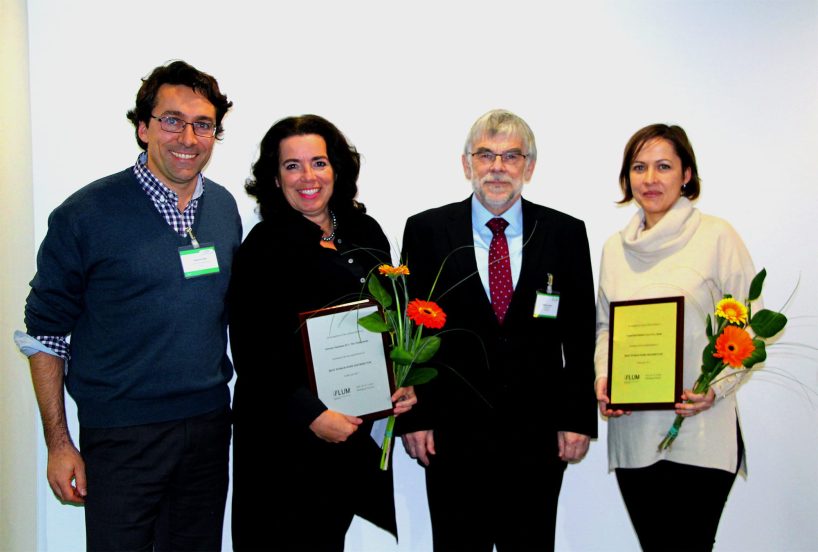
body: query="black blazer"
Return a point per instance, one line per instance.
(504, 384)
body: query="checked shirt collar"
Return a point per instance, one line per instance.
(165, 200)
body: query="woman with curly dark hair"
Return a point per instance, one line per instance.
(300, 470)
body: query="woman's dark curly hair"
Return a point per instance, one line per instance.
(343, 157)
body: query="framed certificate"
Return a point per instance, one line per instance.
(349, 367)
(645, 350)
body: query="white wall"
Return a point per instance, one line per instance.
(405, 82)
(19, 427)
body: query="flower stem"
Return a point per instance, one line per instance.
(702, 385)
(672, 433)
(398, 310)
(386, 447)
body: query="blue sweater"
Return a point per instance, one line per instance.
(147, 345)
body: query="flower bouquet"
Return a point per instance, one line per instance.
(404, 320)
(730, 344)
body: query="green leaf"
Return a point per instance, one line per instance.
(709, 362)
(378, 292)
(703, 383)
(758, 355)
(721, 323)
(767, 323)
(373, 323)
(426, 348)
(418, 376)
(709, 327)
(756, 285)
(401, 356)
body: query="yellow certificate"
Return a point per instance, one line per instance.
(645, 353)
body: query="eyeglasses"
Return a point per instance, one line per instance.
(177, 125)
(510, 158)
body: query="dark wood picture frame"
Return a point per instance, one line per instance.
(304, 317)
(662, 403)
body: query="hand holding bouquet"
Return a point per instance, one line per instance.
(729, 343)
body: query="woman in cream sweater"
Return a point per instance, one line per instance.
(674, 497)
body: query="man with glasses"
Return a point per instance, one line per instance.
(513, 401)
(135, 268)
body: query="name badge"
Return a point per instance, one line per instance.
(547, 305)
(199, 261)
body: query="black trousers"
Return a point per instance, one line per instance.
(478, 500)
(675, 506)
(157, 486)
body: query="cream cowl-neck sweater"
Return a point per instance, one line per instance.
(701, 258)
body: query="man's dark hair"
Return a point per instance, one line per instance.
(177, 72)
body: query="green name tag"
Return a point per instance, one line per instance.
(547, 305)
(199, 261)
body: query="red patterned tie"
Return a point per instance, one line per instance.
(500, 284)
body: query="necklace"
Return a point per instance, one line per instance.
(331, 237)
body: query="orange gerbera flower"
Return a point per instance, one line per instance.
(393, 271)
(733, 346)
(426, 313)
(732, 310)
